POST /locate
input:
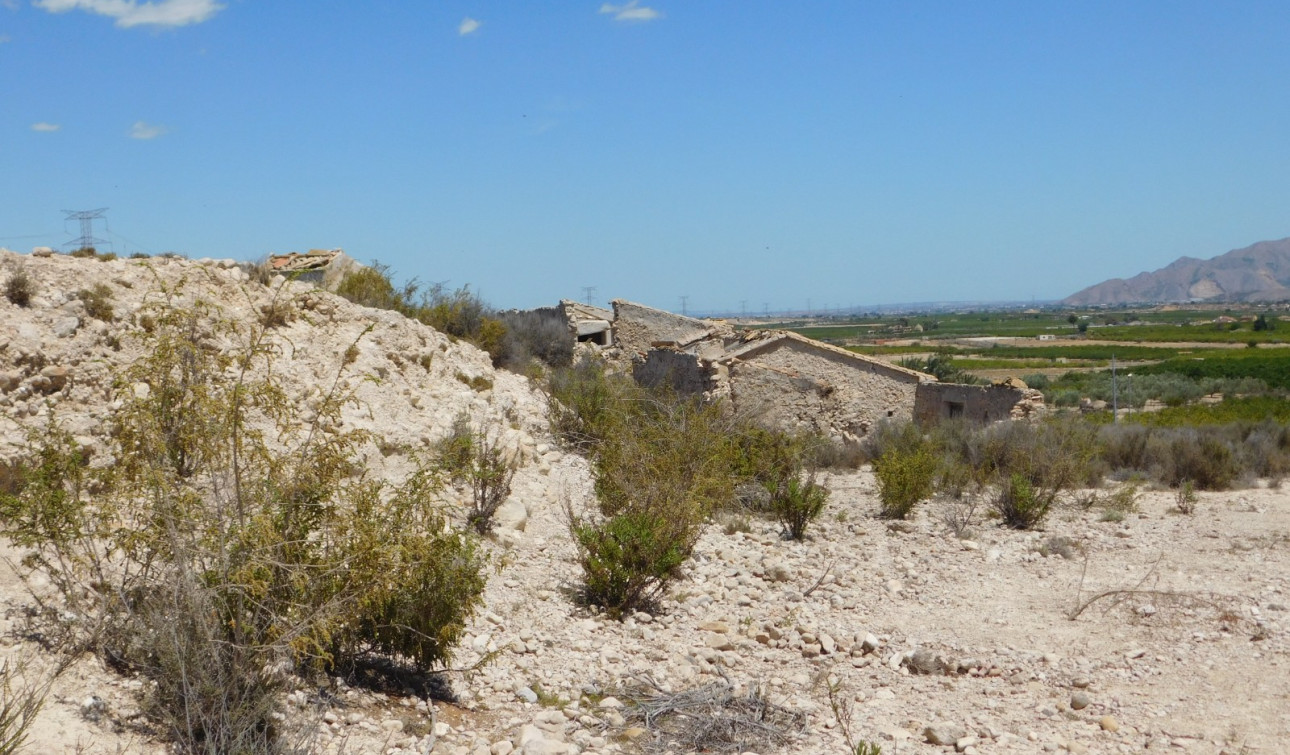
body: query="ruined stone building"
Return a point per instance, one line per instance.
(781, 379)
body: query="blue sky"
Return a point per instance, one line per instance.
(764, 152)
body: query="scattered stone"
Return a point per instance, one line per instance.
(924, 661)
(1108, 723)
(1080, 701)
(944, 734)
(719, 627)
(93, 708)
(55, 378)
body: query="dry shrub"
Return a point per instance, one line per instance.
(470, 457)
(19, 288)
(19, 705)
(1202, 457)
(713, 718)
(535, 334)
(98, 301)
(583, 404)
(1035, 462)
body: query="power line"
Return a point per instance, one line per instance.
(86, 218)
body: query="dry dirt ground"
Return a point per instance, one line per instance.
(1186, 648)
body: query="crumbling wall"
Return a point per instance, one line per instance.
(638, 329)
(797, 386)
(975, 403)
(683, 372)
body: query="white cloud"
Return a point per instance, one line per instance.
(631, 11)
(141, 130)
(10, 4)
(468, 26)
(45, 127)
(134, 13)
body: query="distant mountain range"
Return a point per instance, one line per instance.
(1256, 273)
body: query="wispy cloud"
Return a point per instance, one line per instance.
(10, 4)
(141, 130)
(5, 38)
(631, 11)
(134, 13)
(45, 127)
(468, 25)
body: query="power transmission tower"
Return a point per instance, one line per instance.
(87, 218)
(587, 293)
(743, 309)
(684, 300)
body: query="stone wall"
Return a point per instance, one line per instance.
(976, 403)
(683, 372)
(798, 386)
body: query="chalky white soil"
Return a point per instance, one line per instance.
(1191, 654)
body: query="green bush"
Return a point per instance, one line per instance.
(656, 482)
(629, 559)
(904, 478)
(1018, 505)
(212, 550)
(798, 503)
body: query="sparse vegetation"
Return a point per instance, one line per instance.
(210, 555)
(457, 313)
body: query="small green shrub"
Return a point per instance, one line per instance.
(629, 559)
(1185, 499)
(797, 503)
(85, 252)
(98, 301)
(20, 287)
(904, 479)
(1018, 505)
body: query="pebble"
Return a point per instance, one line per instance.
(1080, 701)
